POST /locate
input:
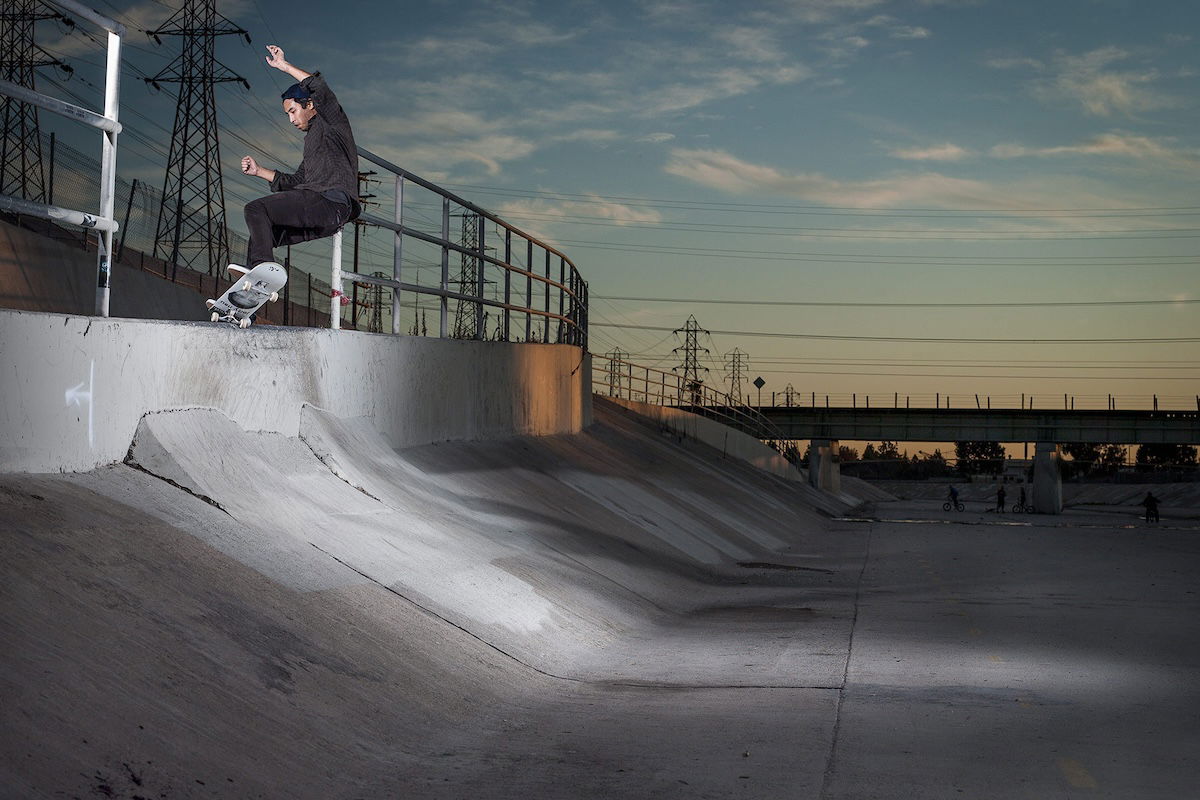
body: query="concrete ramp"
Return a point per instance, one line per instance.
(256, 614)
(541, 548)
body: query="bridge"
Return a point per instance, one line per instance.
(825, 426)
(985, 425)
(1047, 428)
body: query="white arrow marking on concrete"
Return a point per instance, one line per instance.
(78, 396)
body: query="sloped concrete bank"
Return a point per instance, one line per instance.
(315, 613)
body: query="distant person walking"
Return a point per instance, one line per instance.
(1151, 504)
(1000, 495)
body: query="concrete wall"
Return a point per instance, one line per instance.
(732, 443)
(40, 274)
(72, 388)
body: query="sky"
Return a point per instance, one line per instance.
(903, 200)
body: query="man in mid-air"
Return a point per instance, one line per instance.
(322, 195)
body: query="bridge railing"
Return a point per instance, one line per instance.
(105, 222)
(504, 283)
(615, 377)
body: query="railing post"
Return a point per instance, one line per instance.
(480, 333)
(529, 291)
(507, 279)
(562, 279)
(398, 254)
(335, 284)
(444, 304)
(546, 323)
(108, 172)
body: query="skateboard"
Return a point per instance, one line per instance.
(250, 291)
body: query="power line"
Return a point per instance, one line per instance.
(917, 339)
(823, 304)
(783, 208)
(779, 230)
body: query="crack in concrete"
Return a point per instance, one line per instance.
(130, 462)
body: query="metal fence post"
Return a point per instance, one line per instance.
(335, 284)
(480, 322)
(398, 253)
(529, 290)
(108, 171)
(444, 324)
(507, 280)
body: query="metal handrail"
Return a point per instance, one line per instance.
(618, 378)
(569, 286)
(105, 222)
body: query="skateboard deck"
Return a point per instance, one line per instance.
(250, 290)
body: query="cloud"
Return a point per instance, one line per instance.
(938, 152)
(724, 172)
(655, 138)
(541, 217)
(1092, 81)
(719, 170)
(1114, 144)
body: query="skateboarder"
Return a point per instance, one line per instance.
(322, 195)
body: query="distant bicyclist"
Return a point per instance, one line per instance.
(953, 495)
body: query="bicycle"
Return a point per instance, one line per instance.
(1022, 508)
(958, 506)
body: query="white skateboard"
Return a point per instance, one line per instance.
(251, 289)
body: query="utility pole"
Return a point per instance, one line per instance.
(690, 368)
(466, 313)
(191, 220)
(21, 171)
(736, 363)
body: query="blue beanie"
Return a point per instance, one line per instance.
(296, 92)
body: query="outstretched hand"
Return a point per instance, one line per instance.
(275, 57)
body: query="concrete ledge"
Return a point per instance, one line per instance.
(732, 443)
(72, 388)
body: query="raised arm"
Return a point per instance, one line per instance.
(275, 59)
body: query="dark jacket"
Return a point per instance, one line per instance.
(330, 163)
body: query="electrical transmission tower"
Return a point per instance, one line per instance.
(690, 369)
(467, 315)
(616, 371)
(191, 221)
(736, 363)
(21, 171)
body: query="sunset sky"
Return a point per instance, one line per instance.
(875, 197)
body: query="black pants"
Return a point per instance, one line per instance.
(289, 217)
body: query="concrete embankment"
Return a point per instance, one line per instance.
(306, 579)
(73, 389)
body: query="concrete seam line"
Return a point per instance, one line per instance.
(438, 616)
(841, 696)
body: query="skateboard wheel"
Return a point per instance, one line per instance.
(244, 323)
(274, 296)
(215, 316)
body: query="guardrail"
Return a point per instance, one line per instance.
(532, 280)
(104, 222)
(619, 378)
